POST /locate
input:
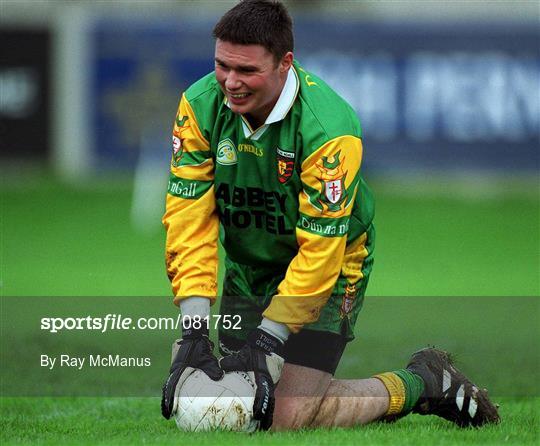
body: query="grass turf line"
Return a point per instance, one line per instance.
(137, 421)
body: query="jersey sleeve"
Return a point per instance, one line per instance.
(330, 179)
(190, 218)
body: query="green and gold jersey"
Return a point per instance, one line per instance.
(288, 195)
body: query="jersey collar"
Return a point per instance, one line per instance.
(283, 105)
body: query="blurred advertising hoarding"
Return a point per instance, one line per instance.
(429, 96)
(25, 105)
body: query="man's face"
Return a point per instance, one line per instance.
(250, 78)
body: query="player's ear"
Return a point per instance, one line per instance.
(286, 62)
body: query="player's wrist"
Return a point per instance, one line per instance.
(195, 311)
(191, 307)
(277, 329)
(261, 340)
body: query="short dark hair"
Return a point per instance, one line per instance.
(258, 22)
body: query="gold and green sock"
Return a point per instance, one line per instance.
(404, 388)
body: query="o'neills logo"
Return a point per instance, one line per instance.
(285, 165)
(226, 153)
(248, 148)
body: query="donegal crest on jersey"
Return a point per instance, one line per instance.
(348, 299)
(177, 151)
(333, 192)
(180, 126)
(285, 162)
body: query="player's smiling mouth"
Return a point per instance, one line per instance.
(238, 99)
(239, 95)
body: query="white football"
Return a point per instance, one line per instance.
(206, 405)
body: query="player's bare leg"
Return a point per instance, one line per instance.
(430, 385)
(349, 402)
(307, 397)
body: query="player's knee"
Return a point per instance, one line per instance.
(294, 413)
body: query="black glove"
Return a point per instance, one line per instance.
(262, 358)
(195, 352)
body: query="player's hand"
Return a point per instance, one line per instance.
(195, 352)
(261, 356)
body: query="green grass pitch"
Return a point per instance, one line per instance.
(454, 268)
